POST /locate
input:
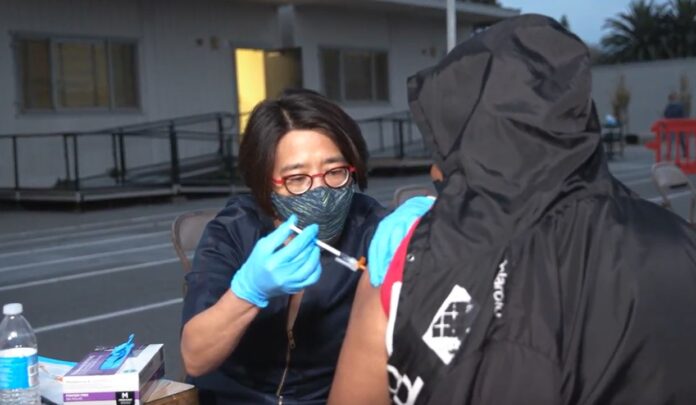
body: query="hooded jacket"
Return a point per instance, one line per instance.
(536, 278)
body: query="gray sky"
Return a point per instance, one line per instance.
(586, 17)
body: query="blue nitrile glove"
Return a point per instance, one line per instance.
(389, 234)
(118, 354)
(269, 273)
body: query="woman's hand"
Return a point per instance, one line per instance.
(390, 232)
(269, 271)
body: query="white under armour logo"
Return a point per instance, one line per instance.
(402, 390)
(450, 323)
(499, 289)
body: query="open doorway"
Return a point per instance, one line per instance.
(262, 74)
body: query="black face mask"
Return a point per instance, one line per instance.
(439, 185)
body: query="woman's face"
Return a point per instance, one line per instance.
(304, 151)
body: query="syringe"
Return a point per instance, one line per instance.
(342, 258)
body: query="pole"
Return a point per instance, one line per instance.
(174, 150)
(15, 163)
(76, 155)
(451, 24)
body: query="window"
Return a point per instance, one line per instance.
(355, 75)
(77, 74)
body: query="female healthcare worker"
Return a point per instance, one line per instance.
(264, 322)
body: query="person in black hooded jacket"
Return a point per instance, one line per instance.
(536, 277)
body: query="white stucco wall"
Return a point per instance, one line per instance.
(649, 84)
(408, 40)
(177, 75)
(412, 42)
(180, 77)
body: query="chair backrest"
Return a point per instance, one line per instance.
(667, 175)
(186, 232)
(403, 193)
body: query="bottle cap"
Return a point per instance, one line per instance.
(12, 309)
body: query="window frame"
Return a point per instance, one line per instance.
(53, 40)
(342, 51)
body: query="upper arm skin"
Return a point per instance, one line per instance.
(361, 374)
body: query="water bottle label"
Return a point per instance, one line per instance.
(18, 369)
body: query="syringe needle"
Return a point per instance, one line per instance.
(342, 258)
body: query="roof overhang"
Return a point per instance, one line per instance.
(466, 11)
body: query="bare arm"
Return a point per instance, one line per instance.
(361, 374)
(211, 336)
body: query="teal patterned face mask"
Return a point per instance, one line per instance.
(324, 206)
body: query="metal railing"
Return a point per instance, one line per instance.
(196, 150)
(393, 135)
(185, 154)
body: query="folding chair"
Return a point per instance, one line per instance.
(186, 232)
(403, 193)
(666, 176)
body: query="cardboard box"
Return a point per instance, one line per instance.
(129, 384)
(169, 392)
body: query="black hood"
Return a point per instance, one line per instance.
(536, 278)
(510, 121)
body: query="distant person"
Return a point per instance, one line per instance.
(610, 121)
(536, 277)
(264, 317)
(675, 110)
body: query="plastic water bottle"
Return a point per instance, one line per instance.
(19, 372)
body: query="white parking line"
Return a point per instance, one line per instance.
(630, 169)
(109, 315)
(670, 196)
(86, 274)
(631, 174)
(83, 244)
(636, 182)
(85, 233)
(89, 225)
(84, 257)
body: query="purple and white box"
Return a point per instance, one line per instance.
(129, 384)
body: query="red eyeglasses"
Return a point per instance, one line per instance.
(297, 184)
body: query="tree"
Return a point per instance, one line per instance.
(682, 21)
(647, 31)
(564, 22)
(639, 34)
(620, 101)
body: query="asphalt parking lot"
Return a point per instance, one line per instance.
(91, 278)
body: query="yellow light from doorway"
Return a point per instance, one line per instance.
(251, 82)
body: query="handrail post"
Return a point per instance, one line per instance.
(66, 158)
(77, 163)
(15, 163)
(229, 160)
(221, 136)
(401, 138)
(114, 156)
(122, 156)
(174, 149)
(380, 122)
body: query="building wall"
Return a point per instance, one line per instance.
(177, 75)
(413, 43)
(182, 73)
(649, 84)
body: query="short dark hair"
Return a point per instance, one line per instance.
(295, 109)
